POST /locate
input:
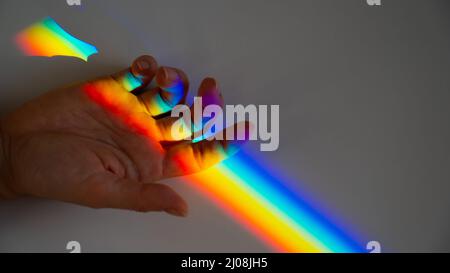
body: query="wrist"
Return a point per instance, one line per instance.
(5, 178)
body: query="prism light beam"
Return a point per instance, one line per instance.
(263, 201)
(270, 209)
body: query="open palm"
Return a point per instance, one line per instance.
(106, 142)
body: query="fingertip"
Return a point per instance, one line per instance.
(169, 77)
(208, 84)
(145, 67)
(163, 76)
(169, 200)
(138, 76)
(210, 93)
(177, 212)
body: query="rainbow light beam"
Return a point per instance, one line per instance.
(272, 210)
(249, 190)
(46, 38)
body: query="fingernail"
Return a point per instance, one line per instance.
(143, 64)
(210, 93)
(164, 74)
(180, 212)
(209, 84)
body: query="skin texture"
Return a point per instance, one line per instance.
(78, 145)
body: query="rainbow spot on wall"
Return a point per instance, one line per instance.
(46, 38)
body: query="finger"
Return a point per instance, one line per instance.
(172, 86)
(210, 94)
(139, 75)
(187, 157)
(154, 103)
(108, 191)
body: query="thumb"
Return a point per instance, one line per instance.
(109, 191)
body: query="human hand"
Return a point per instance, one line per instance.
(99, 145)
